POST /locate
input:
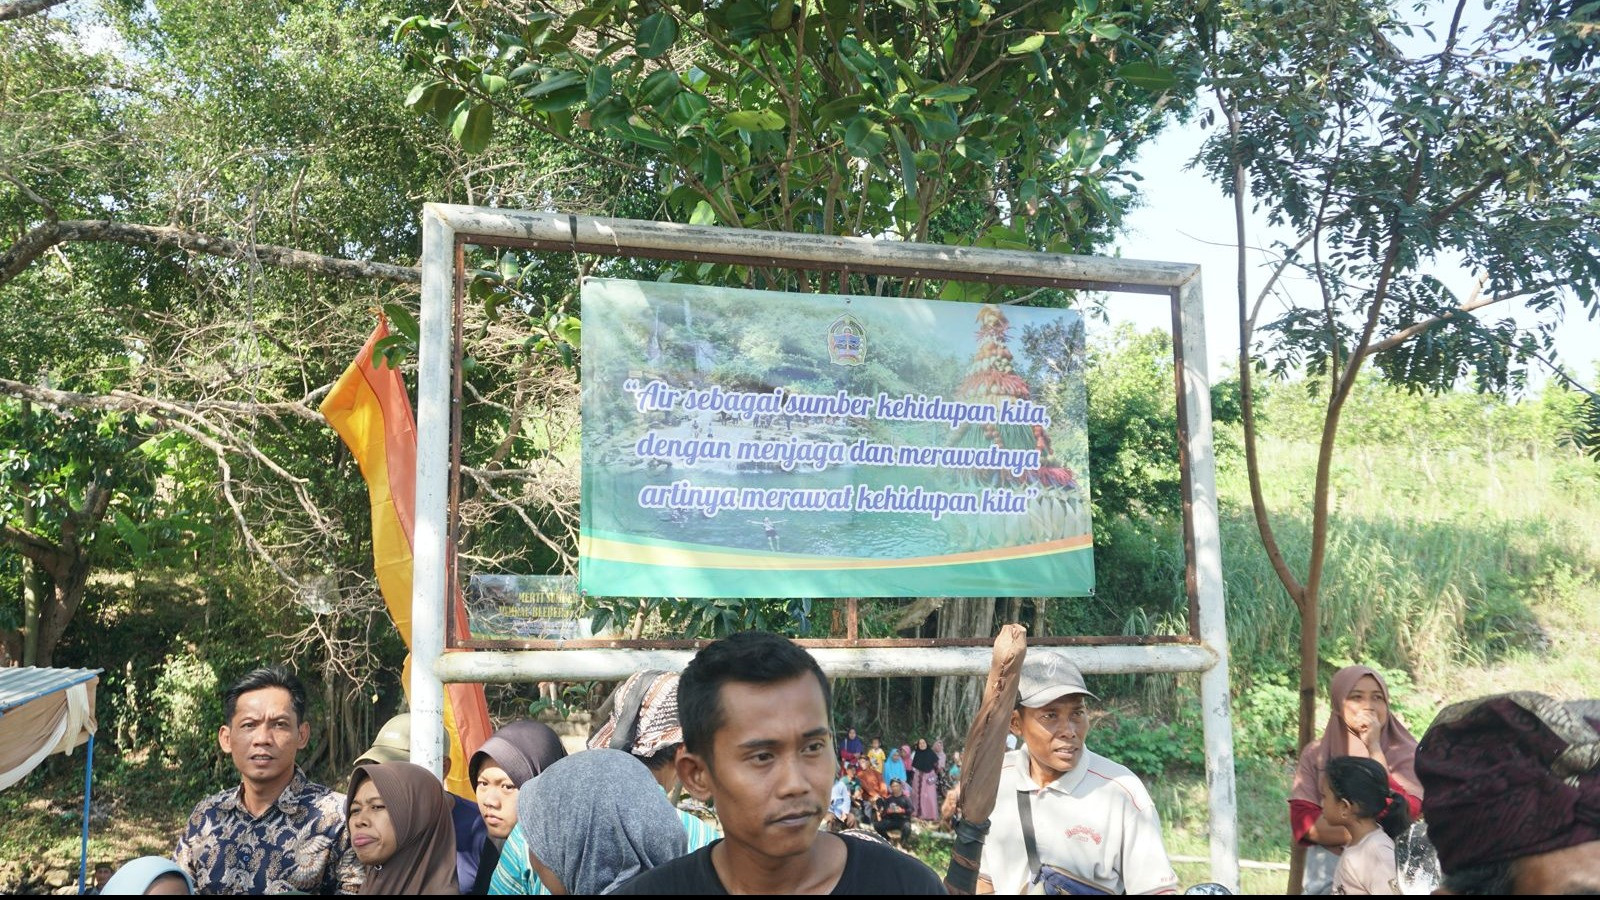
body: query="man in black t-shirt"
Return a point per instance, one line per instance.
(894, 812)
(757, 744)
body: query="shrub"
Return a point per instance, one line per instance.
(186, 690)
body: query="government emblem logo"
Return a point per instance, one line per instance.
(847, 341)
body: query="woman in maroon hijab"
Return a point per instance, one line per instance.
(1359, 724)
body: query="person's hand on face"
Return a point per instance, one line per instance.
(1366, 712)
(372, 833)
(1365, 726)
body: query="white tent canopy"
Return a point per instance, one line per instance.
(43, 711)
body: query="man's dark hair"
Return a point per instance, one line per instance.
(1365, 783)
(663, 758)
(273, 676)
(1493, 878)
(750, 657)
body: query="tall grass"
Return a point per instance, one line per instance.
(1440, 563)
(1429, 566)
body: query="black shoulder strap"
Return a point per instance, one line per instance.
(1025, 810)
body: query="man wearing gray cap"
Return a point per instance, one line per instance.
(1066, 819)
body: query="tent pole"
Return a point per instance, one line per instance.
(88, 787)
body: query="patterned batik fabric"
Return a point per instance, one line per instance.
(1509, 776)
(297, 845)
(643, 716)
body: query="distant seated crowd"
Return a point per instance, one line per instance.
(888, 790)
(1510, 788)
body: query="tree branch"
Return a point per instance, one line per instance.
(1247, 324)
(31, 545)
(21, 8)
(1476, 301)
(917, 612)
(31, 194)
(35, 242)
(123, 401)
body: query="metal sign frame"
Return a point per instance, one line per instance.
(447, 229)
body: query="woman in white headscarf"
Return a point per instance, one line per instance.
(149, 875)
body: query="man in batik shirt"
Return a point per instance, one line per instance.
(276, 832)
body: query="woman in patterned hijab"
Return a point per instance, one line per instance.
(641, 718)
(1514, 794)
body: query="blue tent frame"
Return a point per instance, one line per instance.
(20, 686)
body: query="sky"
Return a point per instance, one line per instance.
(1187, 219)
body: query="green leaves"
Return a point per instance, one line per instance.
(421, 96)
(599, 83)
(660, 88)
(908, 161)
(948, 93)
(656, 34)
(1148, 75)
(473, 126)
(558, 91)
(865, 138)
(402, 321)
(770, 125)
(754, 120)
(1028, 44)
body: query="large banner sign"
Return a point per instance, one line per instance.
(743, 443)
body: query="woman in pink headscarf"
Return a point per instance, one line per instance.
(1359, 724)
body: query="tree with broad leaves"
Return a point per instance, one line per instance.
(200, 206)
(824, 116)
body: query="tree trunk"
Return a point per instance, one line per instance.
(68, 564)
(331, 711)
(32, 590)
(1012, 611)
(956, 697)
(64, 602)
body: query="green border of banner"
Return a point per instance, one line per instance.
(1019, 572)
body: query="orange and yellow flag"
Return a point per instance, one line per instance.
(371, 411)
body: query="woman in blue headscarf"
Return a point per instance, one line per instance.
(894, 768)
(584, 840)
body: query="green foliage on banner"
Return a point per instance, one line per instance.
(703, 618)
